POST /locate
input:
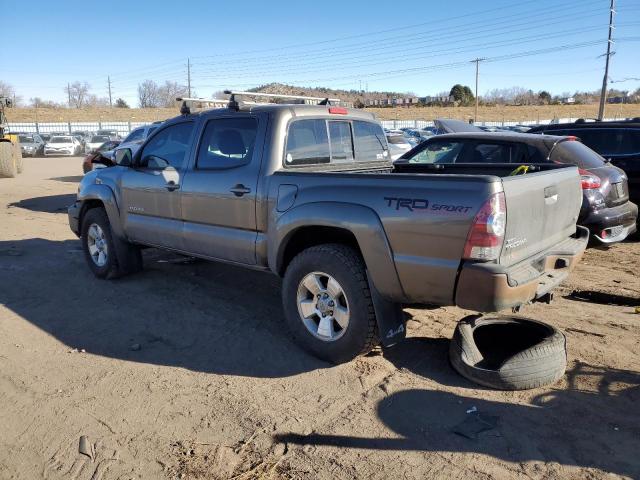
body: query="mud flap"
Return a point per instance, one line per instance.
(389, 317)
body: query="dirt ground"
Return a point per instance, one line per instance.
(186, 371)
(485, 114)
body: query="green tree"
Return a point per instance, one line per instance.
(120, 103)
(462, 94)
(544, 97)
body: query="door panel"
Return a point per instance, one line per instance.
(219, 194)
(151, 190)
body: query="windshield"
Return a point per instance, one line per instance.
(26, 139)
(61, 140)
(99, 139)
(107, 132)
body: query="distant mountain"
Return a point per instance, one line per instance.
(351, 96)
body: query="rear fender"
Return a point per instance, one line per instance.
(361, 221)
(365, 225)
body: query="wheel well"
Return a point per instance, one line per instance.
(311, 236)
(86, 206)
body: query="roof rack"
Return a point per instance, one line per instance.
(233, 103)
(185, 109)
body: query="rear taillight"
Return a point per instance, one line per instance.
(486, 235)
(338, 110)
(589, 180)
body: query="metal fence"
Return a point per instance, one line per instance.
(123, 128)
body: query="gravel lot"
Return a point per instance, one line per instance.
(186, 371)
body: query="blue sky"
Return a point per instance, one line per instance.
(424, 47)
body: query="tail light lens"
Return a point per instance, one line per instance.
(589, 180)
(486, 236)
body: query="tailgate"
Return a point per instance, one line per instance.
(542, 209)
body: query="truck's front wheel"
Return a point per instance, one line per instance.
(107, 257)
(328, 304)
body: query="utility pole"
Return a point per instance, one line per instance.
(603, 94)
(109, 83)
(189, 76)
(69, 93)
(477, 62)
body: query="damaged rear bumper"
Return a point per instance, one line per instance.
(489, 287)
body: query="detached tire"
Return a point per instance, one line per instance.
(508, 353)
(327, 303)
(107, 256)
(8, 164)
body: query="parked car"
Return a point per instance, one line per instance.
(45, 137)
(138, 135)
(31, 145)
(62, 145)
(112, 134)
(618, 142)
(95, 142)
(606, 209)
(308, 193)
(104, 149)
(398, 145)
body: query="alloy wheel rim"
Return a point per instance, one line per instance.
(323, 306)
(97, 244)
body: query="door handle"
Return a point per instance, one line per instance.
(239, 190)
(171, 186)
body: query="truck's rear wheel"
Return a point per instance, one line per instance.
(328, 304)
(8, 166)
(107, 257)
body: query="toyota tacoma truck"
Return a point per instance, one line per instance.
(309, 193)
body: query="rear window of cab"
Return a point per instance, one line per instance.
(321, 141)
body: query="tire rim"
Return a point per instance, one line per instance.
(323, 306)
(97, 244)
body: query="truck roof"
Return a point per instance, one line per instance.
(296, 110)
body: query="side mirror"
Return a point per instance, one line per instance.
(102, 160)
(124, 157)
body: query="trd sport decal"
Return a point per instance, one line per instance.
(412, 204)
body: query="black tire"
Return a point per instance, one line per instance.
(122, 258)
(508, 353)
(8, 164)
(345, 265)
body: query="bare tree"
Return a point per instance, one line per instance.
(7, 90)
(168, 93)
(77, 93)
(148, 95)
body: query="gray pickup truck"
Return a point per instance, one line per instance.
(309, 193)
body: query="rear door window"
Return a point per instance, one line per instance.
(307, 143)
(227, 143)
(341, 142)
(370, 142)
(491, 153)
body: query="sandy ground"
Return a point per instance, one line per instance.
(186, 371)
